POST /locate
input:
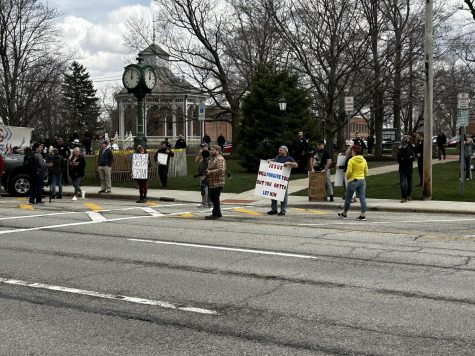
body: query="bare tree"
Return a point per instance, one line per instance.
(29, 60)
(215, 45)
(328, 41)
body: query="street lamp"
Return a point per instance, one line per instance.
(323, 129)
(283, 108)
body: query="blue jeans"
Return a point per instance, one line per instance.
(405, 181)
(358, 186)
(283, 203)
(76, 183)
(56, 179)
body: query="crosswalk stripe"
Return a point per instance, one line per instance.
(93, 207)
(152, 211)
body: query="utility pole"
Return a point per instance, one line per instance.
(428, 103)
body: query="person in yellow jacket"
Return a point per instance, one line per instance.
(356, 173)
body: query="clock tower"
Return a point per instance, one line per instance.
(139, 79)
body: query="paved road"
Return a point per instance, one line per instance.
(111, 277)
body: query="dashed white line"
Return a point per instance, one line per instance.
(94, 294)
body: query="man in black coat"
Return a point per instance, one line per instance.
(441, 141)
(405, 158)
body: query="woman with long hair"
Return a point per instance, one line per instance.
(77, 165)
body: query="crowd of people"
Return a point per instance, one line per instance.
(61, 161)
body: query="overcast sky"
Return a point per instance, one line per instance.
(94, 30)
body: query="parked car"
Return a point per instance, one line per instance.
(454, 141)
(15, 180)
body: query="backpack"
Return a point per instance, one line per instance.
(29, 163)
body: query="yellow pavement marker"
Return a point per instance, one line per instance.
(22, 198)
(247, 211)
(186, 215)
(93, 207)
(26, 206)
(151, 203)
(312, 211)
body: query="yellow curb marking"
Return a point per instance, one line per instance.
(151, 203)
(187, 215)
(246, 211)
(317, 212)
(93, 207)
(22, 198)
(26, 206)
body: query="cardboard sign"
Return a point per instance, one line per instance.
(12, 136)
(140, 166)
(272, 180)
(162, 158)
(340, 173)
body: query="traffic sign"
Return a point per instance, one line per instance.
(462, 101)
(349, 104)
(462, 118)
(201, 112)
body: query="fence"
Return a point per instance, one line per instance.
(121, 169)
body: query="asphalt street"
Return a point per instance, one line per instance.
(112, 277)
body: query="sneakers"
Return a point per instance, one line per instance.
(74, 197)
(140, 200)
(361, 218)
(409, 198)
(342, 215)
(108, 191)
(403, 200)
(83, 194)
(281, 213)
(101, 191)
(272, 212)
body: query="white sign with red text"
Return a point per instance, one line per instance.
(272, 180)
(13, 136)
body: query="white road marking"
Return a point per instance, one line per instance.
(93, 294)
(223, 248)
(96, 216)
(152, 211)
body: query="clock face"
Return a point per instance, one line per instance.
(150, 78)
(131, 78)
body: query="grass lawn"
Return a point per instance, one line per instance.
(239, 181)
(445, 185)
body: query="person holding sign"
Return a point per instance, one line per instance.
(140, 165)
(288, 161)
(321, 162)
(162, 157)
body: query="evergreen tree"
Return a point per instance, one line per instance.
(81, 108)
(264, 127)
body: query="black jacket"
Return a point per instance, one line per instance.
(405, 158)
(76, 167)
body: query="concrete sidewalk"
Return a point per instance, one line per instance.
(248, 197)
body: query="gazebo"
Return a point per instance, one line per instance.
(170, 110)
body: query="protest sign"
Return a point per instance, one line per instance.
(140, 166)
(340, 173)
(272, 180)
(162, 158)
